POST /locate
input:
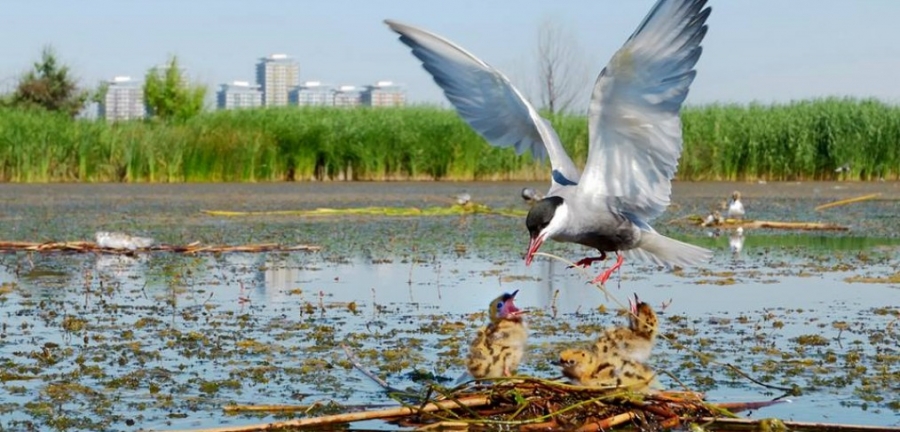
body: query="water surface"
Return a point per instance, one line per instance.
(163, 341)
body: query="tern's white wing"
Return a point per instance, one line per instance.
(634, 124)
(485, 99)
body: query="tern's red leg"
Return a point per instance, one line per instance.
(587, 261)
(608, 272)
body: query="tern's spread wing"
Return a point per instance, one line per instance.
(485, 99)
(634, 124)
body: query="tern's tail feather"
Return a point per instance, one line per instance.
(661, 250)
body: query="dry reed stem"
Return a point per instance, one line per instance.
(473, 401)
(848, 201)
(608, 422)
(756, 424)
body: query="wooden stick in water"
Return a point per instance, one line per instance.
(608, 422)
(848, 201)
(754, 425)
(473, 401)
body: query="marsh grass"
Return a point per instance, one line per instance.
(804, 140)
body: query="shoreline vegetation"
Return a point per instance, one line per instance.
(804, 140)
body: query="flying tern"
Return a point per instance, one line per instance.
(634, 131)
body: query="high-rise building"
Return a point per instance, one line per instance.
(124, 100)
(347, 96)
(311, 93)
(239, 94)
(276, 75)
(383, 93)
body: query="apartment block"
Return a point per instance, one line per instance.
(276, 75)
(124, 100)
(347, 96)
(239, 94)
(383, 94)
(312, 93)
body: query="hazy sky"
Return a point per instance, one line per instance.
(763, 50)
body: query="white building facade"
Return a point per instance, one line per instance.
(276, 75)
(239, 94)
(124, 100)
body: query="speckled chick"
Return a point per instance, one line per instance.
(586, 368)
(499, 346)
(634, 342)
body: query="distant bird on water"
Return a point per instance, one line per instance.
(463, 198)
(634, 134)
(499, 346)
(714, 218)
(118, 240)
(735, 206)
(531, 195)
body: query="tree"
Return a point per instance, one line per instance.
(168, 94)
(49, 86)
(562, 72)
(99, 94)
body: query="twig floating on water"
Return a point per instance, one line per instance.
(473, 401)
(192, 248)
(757, 224)
(848, 201)
(755, 424)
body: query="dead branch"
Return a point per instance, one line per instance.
(848, 201)
(757, 424)
(473, 401)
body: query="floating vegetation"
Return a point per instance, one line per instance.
(456, 209)
(758, 224)
(191, 248)
(889, 279)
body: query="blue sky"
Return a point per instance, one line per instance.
(756, 50)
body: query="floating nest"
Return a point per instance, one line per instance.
(535, 404)
(522, 404)
(192, 248)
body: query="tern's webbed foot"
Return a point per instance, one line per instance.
(587, 261)
(608, 272)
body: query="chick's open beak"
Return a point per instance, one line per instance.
(633, 304)
(509, 307)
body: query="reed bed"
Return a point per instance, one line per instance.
(806, 140)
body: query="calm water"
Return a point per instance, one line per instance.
(161, 341)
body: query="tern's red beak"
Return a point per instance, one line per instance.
(533, 247)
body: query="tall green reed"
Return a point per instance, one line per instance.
(803, 140)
